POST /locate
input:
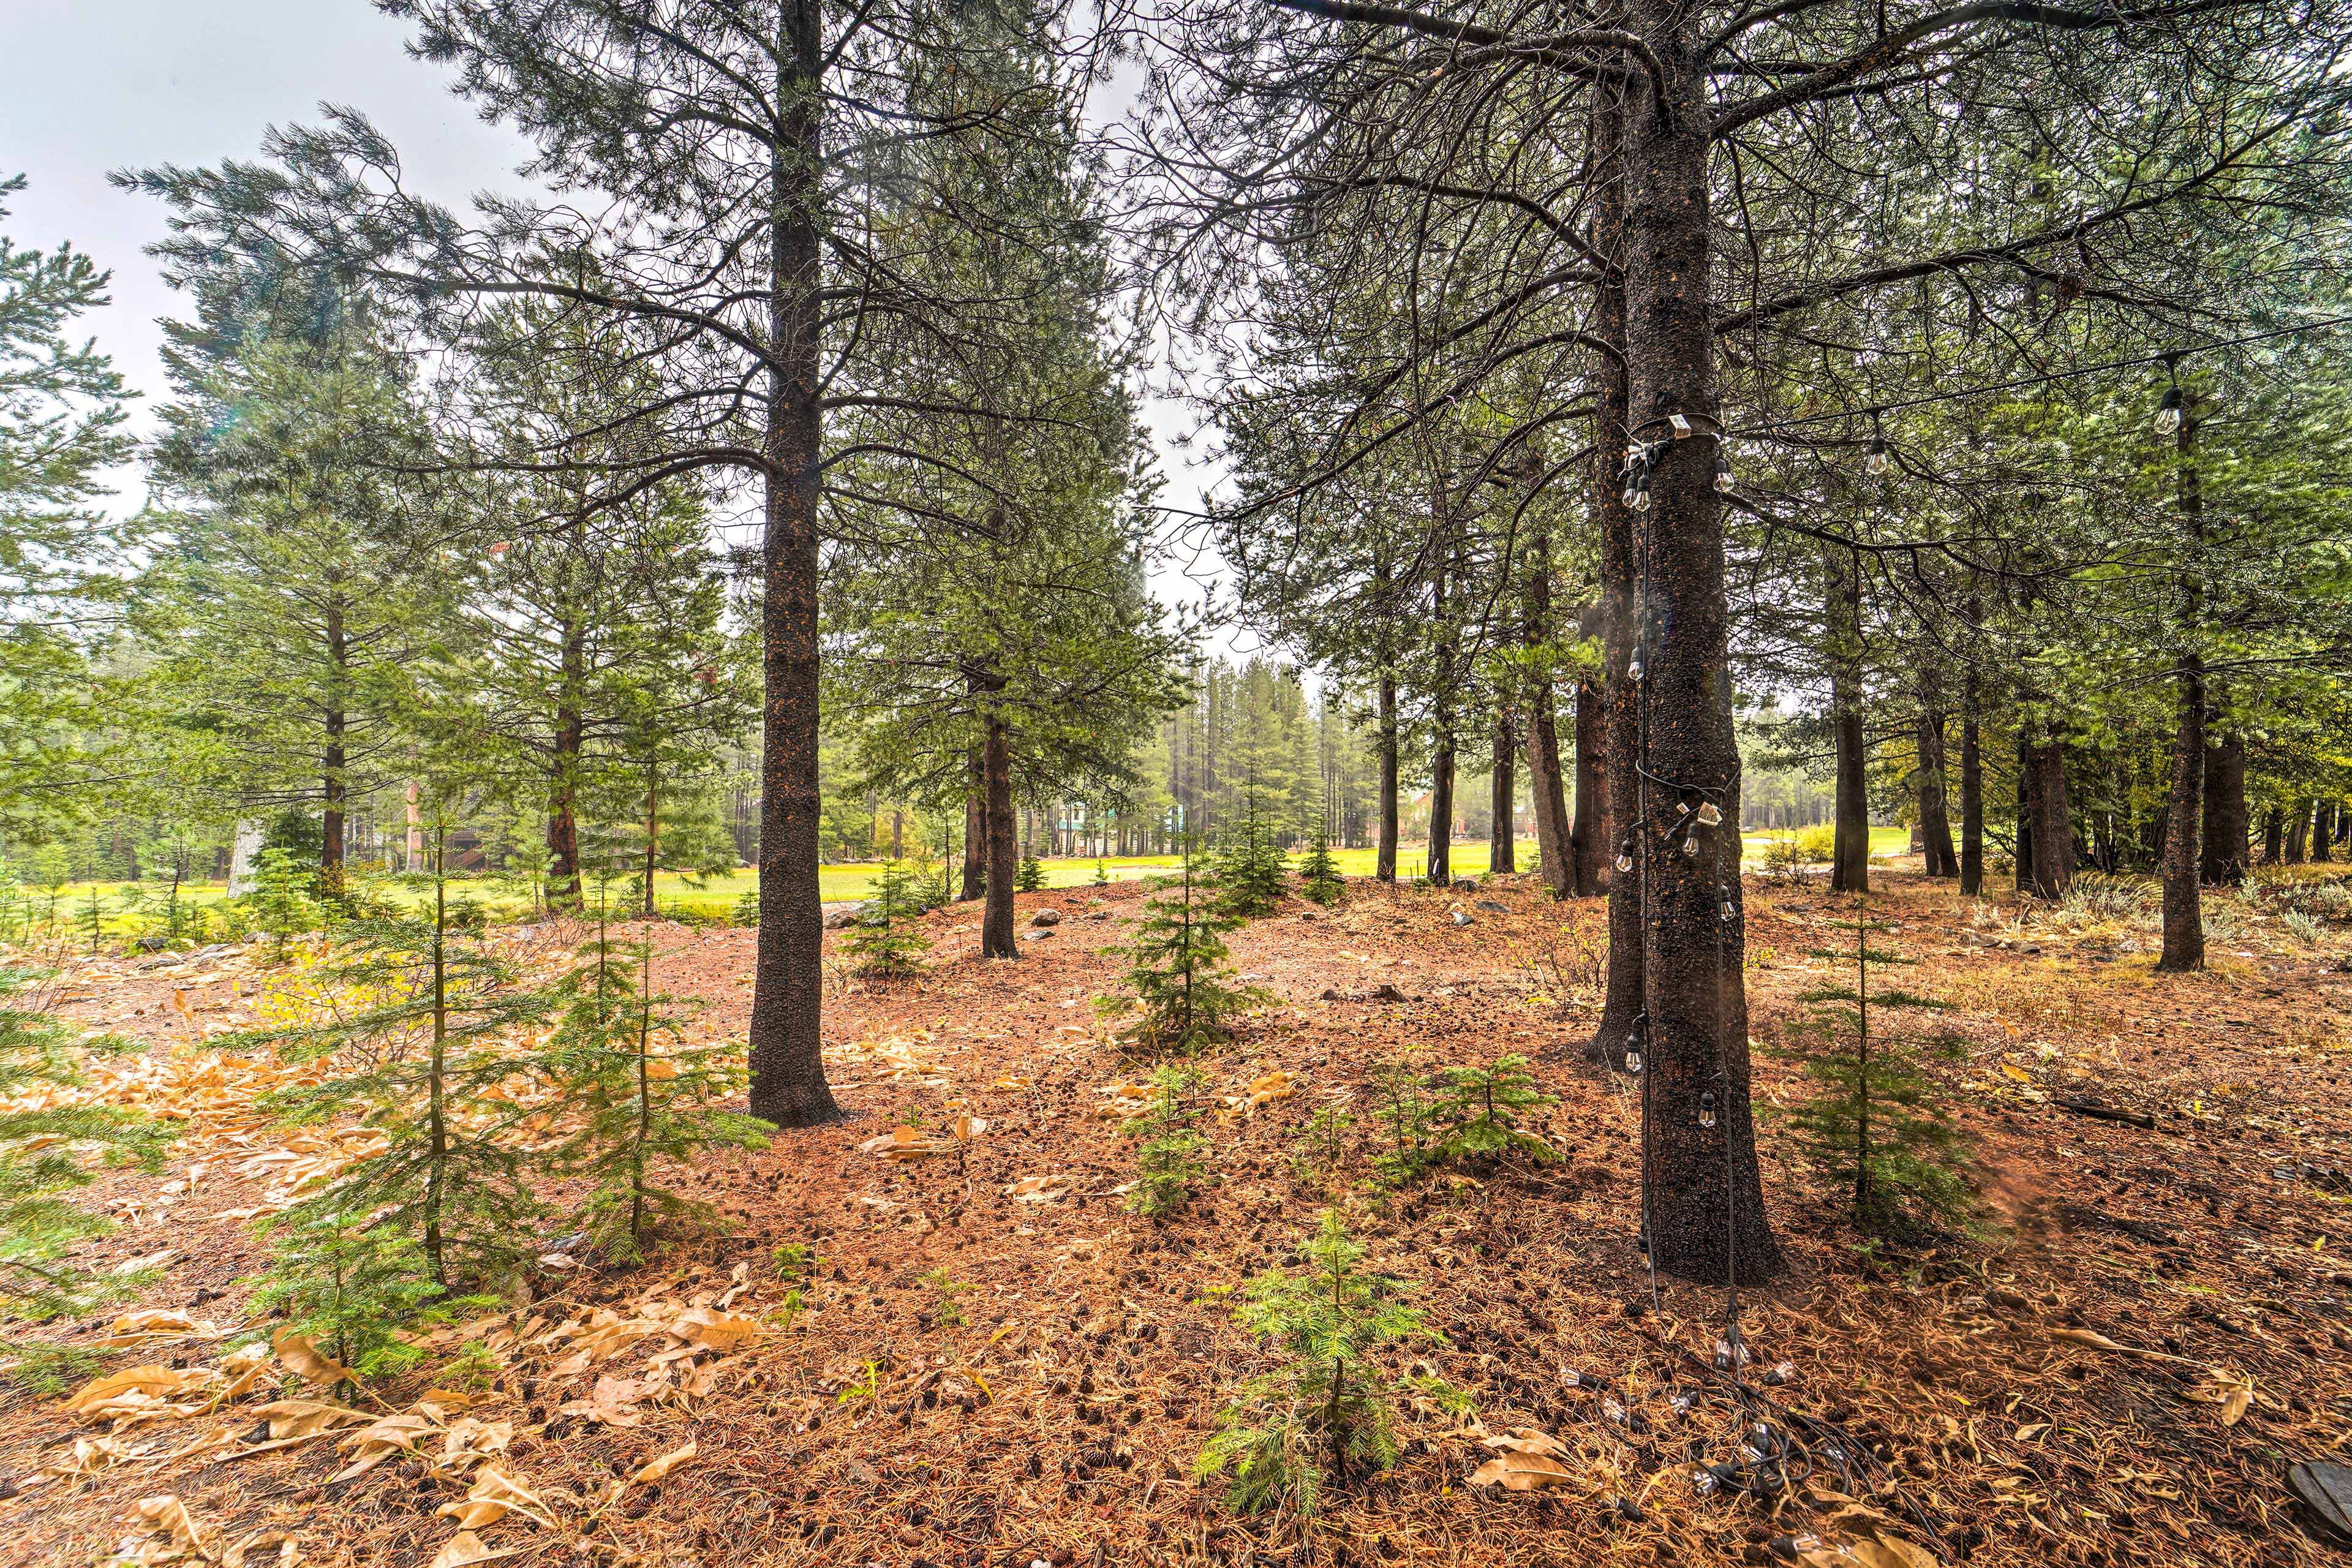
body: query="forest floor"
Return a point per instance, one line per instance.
(2150, 1326)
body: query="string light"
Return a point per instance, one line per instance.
(1633, 668)
(1876, 458)
(1690, 847)
(1625, 855)
(1707, 1109)
(1724, 480)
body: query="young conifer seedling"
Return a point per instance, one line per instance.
(1168, 1163)
(1326, 1414)
(1879, 1126)
(1176, 969)
(1318, 874)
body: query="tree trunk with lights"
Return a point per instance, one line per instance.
(1706, 1206)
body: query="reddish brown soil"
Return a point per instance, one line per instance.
(1057, 1422)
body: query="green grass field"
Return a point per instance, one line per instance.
(715, 896)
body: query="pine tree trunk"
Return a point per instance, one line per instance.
(1623, 1003)
(2297, 829)
(975, 830)
(2053, 821)
(569, 739)
(2322, 831)
(1850, 858)
(1589, 837)
(1706, 1202)
(1971, 789)
(335, 782)
(2273, 828)
(2024, 814)
(1385, 866)
(1502, 843)
(1441, 800)
(1547, 786)
(996, 939)
(1935, 817)
(2184, 917)
(788, 1085)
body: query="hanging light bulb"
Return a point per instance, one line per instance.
(1875, 457)
(1633, 668)
(1723, 474)
(1625, 855)
(2170, 412)
(1706, 1109)
(1690, 847)
(1729, 914)
(1640, 498)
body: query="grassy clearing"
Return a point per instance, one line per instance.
(128, 908)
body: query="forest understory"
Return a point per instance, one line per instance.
(991, 1362)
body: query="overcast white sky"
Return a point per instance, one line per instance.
(91, 86)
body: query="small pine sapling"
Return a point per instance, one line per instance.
(1403, 1106)
(947, 1310)
(886, 943)
(45, 1138)
(1880, 1126)
(1176, 969)
(1480, 1110)
(1322, 1145)
(645, 1101)
(419, 1059)
(1102, 874)
(1029, 877)
(359, 1292)
(746, 908)
(1169, 1162)
(1325, 1414)
(1318, 874)
(280, 902)
(1251, 874)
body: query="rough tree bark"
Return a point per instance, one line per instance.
(2221, 848)
(1546, 769)
(1705, 1199)
(1850, 860)
(1935, 817)
(788, 1086)
(975, 829)
(335, 783)
(1971, 788)
(2184, 917)
(1502, 843)
(2053, 821)
(1623, 1003)
(1589, 832)
(996, 939)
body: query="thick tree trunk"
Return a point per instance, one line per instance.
(2184, 919)
(1385, 862)
(2273, 828)
(2323, 830)
(2053, 821)
(1935, 818)
(1971, 789)
(2221, 849)
(2184, 916)
(1589, 834)
(1706, 1198)
(334, 782)
(788, 1085)
(1502, 841)
(1850, 857)
(996, 939)
(1546, 780)
(975, 830)
(2298, 828)
(2024, 814)
(1623, 1003)
(1440, 801)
